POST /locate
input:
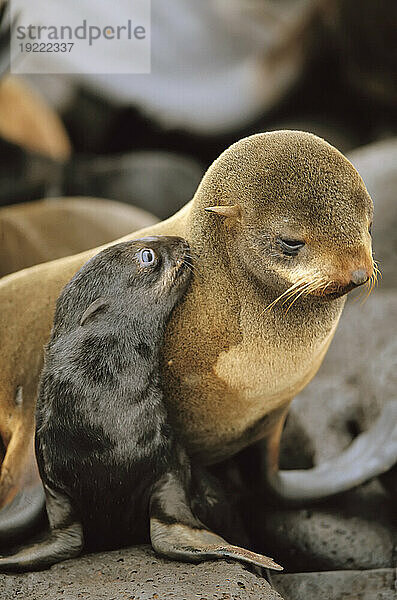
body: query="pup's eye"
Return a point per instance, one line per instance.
(370, 229)
(147, 257)
(290, 247)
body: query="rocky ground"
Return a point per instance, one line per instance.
(137, 574)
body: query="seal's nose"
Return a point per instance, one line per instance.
(359, 276)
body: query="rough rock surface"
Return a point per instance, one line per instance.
(137, 574)
(354, 531)
(379, 584)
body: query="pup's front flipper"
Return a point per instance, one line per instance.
(176, 533)
(64, 540)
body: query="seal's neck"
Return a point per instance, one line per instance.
(222, 277)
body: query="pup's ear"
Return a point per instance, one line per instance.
(225, 211)
(94, 307)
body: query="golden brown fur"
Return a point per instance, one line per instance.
(231, 367)
(27, 121)
(37, 232)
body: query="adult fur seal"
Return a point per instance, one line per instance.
(106, 451)
(291, 213)
(36, 232)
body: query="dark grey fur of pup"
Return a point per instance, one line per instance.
(108, 456)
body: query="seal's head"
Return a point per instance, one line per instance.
(145, 277)
(295, 213)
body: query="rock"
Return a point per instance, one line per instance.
(355, 531)
(368, 68)
(137, 574)
(26, 175)
(379, 584)
(376, 164)
(159, 182)
(297, 451)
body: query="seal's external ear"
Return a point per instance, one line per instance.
(225, 211)
(98, 304)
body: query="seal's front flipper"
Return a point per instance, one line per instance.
(22, 498)
(65, 539)
(23, 515)
(372, 453)
(176, 533)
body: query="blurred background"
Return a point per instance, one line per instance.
(221, 70)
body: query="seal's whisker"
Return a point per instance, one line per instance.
(192, 259)
(377, 270)
(367, 289)
(299, 288)
(307, 289)
(362, 293)
(194, 270)
(192, 266)
(294, 292)
(288, 291)
(370, 285)
(316, 284)
(324, 285)
(298, 295)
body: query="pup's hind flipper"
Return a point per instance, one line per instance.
(65, 539)
(59, 545)
(176, 533)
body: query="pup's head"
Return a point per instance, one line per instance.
(142, 278)
(295, 213)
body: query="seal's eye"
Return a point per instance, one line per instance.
(290, 247)
(147, 257)
(370, 228)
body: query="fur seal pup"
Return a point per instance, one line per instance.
(291, 216)
(106, 450)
